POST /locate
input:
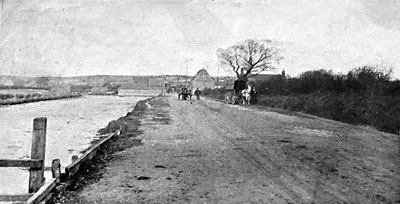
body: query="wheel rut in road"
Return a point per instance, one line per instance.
(259, 160)
(286, 180)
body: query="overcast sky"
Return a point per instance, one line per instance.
(141, 37)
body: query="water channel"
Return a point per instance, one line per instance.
(72, 125)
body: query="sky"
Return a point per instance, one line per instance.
(152, 37)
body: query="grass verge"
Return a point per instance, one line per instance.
(381, 112)
(93, 170)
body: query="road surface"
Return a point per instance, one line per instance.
(209, 152)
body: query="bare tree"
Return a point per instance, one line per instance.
(249, 58)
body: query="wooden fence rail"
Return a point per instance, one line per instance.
(32, 163)
(39, 190)
(35, 163)
(74, 167)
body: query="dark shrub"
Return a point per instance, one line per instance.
(215, 93)
(6, 96)
(20, 96)
(364, 95)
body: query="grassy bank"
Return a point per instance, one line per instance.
(382, 113)
(10, 99)
(365, 96)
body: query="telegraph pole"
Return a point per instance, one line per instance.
(218, 77)
(186, 76)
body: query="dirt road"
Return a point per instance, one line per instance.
(209, 152)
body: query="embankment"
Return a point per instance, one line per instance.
(92, 171)
(380, 112)
(30, 100)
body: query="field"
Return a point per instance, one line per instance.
(15, 94)
(23, 91)
(18, 96)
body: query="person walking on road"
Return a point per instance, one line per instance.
(197, 93)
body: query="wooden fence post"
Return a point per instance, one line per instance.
(74, 158)
(55, 169)
(38, 151)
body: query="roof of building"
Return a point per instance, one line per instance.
(202, 72)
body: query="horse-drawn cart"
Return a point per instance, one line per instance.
(240, 92)
(234, 95)
(184, 94)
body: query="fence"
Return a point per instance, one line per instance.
(38, 189)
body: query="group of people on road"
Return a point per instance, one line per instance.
(246, 94)
(184, 92)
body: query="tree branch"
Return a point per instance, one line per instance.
(251, 55)
(262, 58)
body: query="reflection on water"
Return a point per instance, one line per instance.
(71, 125)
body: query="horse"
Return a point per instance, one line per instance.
(246, 96)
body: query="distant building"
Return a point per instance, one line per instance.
(220, 82)
(142, 85)
(176, 82)
(99, 90)
(262, 77)
(202, 80)
(157, 84)
(228, 83)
